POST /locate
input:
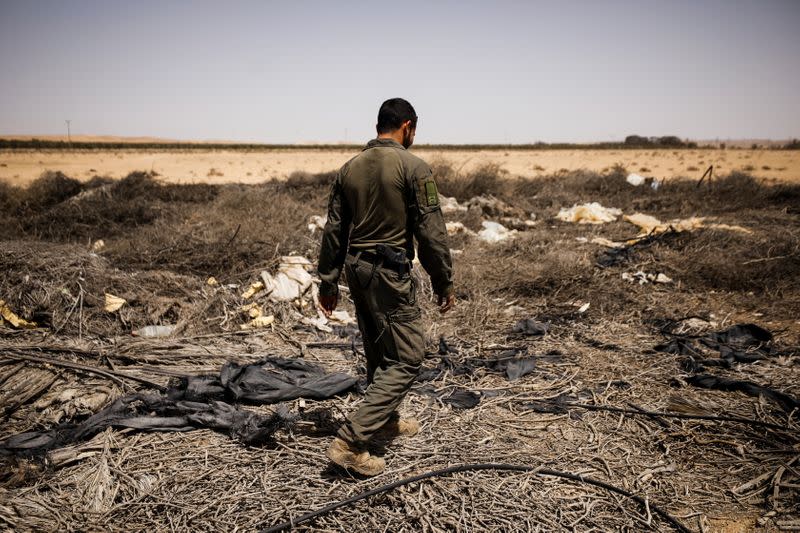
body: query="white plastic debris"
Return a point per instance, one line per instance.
(585, 307)
(320, 322)
(98, 245)
(454, 228)
(291, 281)
(342, 317)
(154, 331)
(113, 303)
(316, 222)
(451, 205)
(591, 213)
(493, 232)
(643, 277)
(635, 179)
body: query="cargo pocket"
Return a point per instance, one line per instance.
(403, 335)
(360, 273)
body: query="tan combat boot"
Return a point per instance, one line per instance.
(407, 427)
(398, 427)
(347, 457)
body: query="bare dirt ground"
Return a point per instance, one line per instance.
(199, 166)
(637, 383)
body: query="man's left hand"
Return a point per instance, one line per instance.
(328, 303)
(447, 302)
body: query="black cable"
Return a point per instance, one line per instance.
(471, 467)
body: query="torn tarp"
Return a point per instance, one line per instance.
(153, 412)
(742, 343)
(707, 381)
(507, 362)
(200, 402)
(456, 398)
(531, 327)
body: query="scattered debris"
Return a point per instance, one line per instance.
(292, 280)
(254, 289)
(651, 225)
(493, 232)
(530, 327)
(198, 401)
(642, 277)
(489, 206)
(154, 332)
(9, 316)
(457, 398)
(455, 228)
(212, 282)
(707, 381)
(591, 213)
(258, 322)
(451, 205)
(98, 245)
(635, 179)
(113, 303)
(316, 222)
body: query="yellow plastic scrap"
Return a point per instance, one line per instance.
(113, 303)
(254, 289)
(591, 213)
(252, 310)
(651, 225)
(259, 322)
(731, 228)
(212, 282)
(606, 242)
(9, 316)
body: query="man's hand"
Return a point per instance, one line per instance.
(447, 302)
(328, 303)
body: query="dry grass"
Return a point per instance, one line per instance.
(164, 240)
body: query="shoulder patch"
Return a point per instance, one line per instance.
(431, 194)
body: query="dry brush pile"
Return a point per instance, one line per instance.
(595, 376)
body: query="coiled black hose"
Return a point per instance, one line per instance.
(472, 467)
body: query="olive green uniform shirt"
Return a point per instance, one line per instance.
(385, 195)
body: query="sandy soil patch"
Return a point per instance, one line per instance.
(224, 166)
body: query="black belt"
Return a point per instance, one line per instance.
(378, 260)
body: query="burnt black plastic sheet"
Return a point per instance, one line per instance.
(458, 398)
(709, 381)
(530, 327)
(508, 362)
(742, 343)
(202, 402)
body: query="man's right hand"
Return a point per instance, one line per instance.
(328, 303)
(447, 302)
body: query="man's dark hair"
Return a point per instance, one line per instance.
(393, 113)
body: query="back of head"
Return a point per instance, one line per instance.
(393, 113)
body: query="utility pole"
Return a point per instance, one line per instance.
(69, 134)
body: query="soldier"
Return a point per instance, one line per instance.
(380, 201)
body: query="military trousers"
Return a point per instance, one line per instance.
(394, 345)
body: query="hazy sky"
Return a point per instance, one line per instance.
(488, 71)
